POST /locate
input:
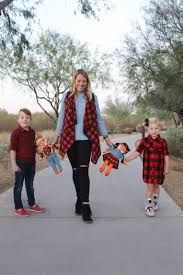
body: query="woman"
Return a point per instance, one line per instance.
(77, 129)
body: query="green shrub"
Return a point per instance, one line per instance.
(174, 137)
(4, 151)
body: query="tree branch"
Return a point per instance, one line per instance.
(4, 4)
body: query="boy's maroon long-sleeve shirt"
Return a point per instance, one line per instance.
(23, 142)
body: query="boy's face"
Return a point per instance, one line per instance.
(154, 130)
(24, 120)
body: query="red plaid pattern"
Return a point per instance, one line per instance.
(68, 130)
(49, 149)
(154, 151)
(112, 159)
(90, 127)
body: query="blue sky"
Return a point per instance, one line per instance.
(105, 34)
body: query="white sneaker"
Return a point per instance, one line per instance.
(155, 206)
(149, 211)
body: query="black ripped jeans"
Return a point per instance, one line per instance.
(79, 157)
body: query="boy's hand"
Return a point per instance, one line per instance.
(15, 167)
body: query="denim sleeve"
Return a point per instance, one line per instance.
(61, 116)
(102, 128)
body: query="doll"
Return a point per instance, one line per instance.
(48, 150)
(111, 158)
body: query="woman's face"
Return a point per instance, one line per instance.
(80, 83)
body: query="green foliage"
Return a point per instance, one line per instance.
(152, 58)
(12, 12)
(4, 149)
(90, 8)
(47, 68)
(145, 111)
(174, 138)
(8, 122)
(114, 112)
(13, 33)
(117, 108)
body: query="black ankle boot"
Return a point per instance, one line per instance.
(86, 213)
(78, 207)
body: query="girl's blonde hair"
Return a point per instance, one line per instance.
(87, 90)
(153, 120)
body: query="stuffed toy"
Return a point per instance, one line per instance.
(111, 158)
(48, 150)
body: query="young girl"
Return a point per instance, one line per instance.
(155, 164)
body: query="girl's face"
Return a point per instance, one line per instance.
(154, 130)
(80, 83)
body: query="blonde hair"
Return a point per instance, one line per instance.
(87, 90)
(153, 120)
(38, 139)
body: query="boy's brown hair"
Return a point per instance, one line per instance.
(26, 111)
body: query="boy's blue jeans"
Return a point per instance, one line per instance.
(54, 161)
(27, 173)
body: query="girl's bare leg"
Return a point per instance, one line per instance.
(149, 200)
(156, 193)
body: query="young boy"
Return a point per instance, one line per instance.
(155, 164)
(22, 153)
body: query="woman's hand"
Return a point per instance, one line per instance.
(109, 142)
(56, 140)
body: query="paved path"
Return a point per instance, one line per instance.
(122, 240)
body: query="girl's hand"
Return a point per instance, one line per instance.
(109, 142)
(166, 171)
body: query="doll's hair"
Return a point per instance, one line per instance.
(146, 122)
(116, 145)
(87, 90)
(38, 138)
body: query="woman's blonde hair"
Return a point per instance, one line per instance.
(87, 90)
(153, 120)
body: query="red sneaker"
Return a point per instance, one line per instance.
(21, 212)
(36, 208)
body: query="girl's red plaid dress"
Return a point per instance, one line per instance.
(154, 152)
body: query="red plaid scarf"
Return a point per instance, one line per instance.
(90, 127)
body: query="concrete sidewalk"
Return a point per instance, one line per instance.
(121, 240)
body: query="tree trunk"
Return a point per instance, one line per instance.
(180, 116)
(176, 119)
(4, 4)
